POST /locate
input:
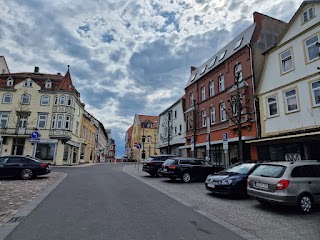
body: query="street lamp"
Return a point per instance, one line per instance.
(169, 130)
(143, 155)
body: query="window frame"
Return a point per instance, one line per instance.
(203, 69)
(221, 83)
(307, 10)
(6, 119)
(42, 120)
(286, 98)
(213, 61)
(212, 115)
(42, 99)
(62, 100)
(204, 118)
(306, 48)
(60, 119)
(314, 104)
(223, 113)
(4, 97)
(238, 69)
(191, 99)
(238, 43)
(24, 96)
(268, 105)
(283, 60)
(203, 93)
(211, 88)
(222, 55)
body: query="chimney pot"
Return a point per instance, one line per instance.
(36, 69)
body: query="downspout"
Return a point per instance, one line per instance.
(254, 94)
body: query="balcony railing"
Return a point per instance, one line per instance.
(60, 133)
(16, 131)
(63, 109)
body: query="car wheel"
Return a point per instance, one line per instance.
(158, 173)
(305, 203)
(26, 174)
(186, 177)
(173, 178)
(152, 174)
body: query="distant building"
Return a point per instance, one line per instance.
(128, 144)
(171, 130)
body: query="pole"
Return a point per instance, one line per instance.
(194, 128)
(208, 139)
(168, 148)
(239, 110)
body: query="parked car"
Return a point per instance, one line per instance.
(188, 168)
(232, 181)
(289, 183)
(24, 167)
(154, 163)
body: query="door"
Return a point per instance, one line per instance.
(2, 166)
(13, 166)
(18, 146)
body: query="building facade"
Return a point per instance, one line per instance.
(40, 116)
(222, 86)
(102, 143)
(171, 129)
(289, 93)
(128, 146)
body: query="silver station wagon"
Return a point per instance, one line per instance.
(289, 183)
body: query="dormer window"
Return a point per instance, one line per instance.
(222, 55)
(9, 81)
(193, 77)
(238, 43)
(27, 83)
(308, 14)
(212, 62)
(203, 69)
(48, 84)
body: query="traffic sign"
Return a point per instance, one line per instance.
(138, 146)
(225, 137)
(35, 135)
(34, 140)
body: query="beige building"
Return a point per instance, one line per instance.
(40, 115)
(144, 137)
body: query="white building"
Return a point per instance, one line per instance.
(289, 93)
(172, 129)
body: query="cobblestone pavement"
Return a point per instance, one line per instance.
(15, 194)
(268, 223)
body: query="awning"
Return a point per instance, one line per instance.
(293, 136)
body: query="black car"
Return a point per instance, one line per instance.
(24, 167)
(188, 168)
(154, 163)
(232, 181)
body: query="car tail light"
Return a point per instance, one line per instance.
(43, 165)
(172, 167)
(283, 184)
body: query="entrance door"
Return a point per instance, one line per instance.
(18, 146)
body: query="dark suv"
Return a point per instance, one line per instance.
(153, 164)
(188, 168)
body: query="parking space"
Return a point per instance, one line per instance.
(274, 222)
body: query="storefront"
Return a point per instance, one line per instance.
(46, 149)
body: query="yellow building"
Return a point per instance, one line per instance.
(89, 135)
(144, 137)
(40, 115)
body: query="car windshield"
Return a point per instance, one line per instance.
(241, 168)
(169, 162)
(150, 159)
(273, 171)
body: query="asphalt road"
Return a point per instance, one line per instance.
(103, 202)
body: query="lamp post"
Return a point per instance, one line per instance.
(143, 155)
(169, 117)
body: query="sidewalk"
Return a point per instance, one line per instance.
(244, 216)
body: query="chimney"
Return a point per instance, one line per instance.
(36, 69)
(59, 74)
(193, 68)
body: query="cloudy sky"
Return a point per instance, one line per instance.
(126, 57)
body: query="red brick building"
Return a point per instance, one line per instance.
(211, 91)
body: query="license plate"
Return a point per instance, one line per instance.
(164, 170)
(211, 185)
(261, 185)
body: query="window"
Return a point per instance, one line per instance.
(149, 139)
(222, 55)
(53, 121)
(175, 114)
(307, 14)
(238, 43)
(10, 82)
(67, 124)
(204, 118)
(212, 62)
(191, 99)
(48, 84)
(42, 121)
(55, 100)
(238, 72)
(223, 113)
(286, 61)
(180, 128)
(27, 83)
(7, 98)
(25, 99)
(69, 102)
(62, 100)
(291, 100)
(211, 89)
(175, 130)
(311, 48)
(4, 117)
(212, 115)
(45, 100)
(203, 93)
(315, 86)
(60, 121)
(221, 83)
(193, 77)
(77, 128)
(203, 69)
(272, 106)
(190, 122)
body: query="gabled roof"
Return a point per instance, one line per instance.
(144, 118)
(246, 37)
(66, 83)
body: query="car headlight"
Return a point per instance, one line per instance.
(226, 182)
